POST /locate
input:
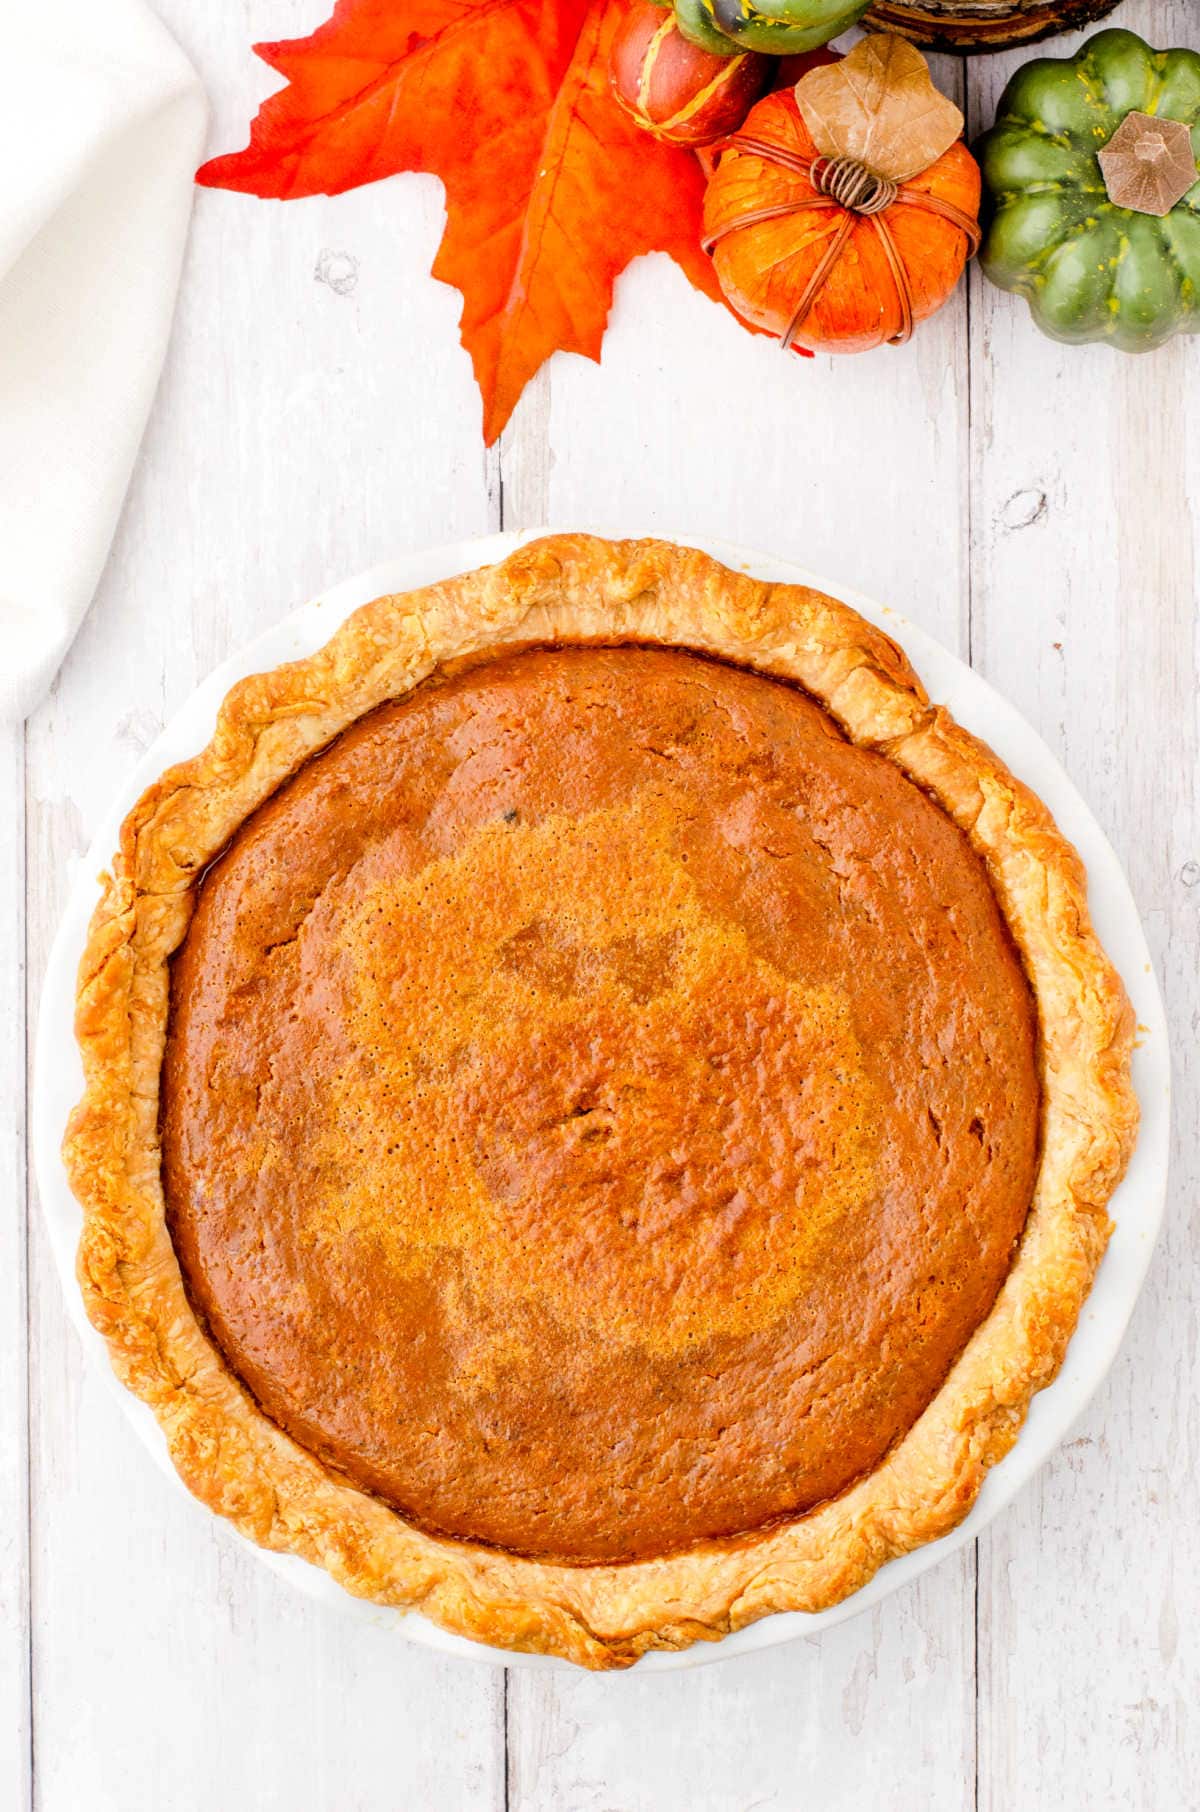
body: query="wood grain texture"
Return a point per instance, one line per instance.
(1029, 504)
(836, 1722)
(1085, 478)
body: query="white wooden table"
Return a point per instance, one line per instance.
(1031, 505)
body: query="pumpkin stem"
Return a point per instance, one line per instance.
(1148, 164)
(852, 185)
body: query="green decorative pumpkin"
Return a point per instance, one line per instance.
(695, 21)
(1100, 233)
(781, 28)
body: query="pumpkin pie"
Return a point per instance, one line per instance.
(601, 1103)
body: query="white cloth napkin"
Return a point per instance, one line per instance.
(101, 128)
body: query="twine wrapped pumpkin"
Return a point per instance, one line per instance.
(843, 211)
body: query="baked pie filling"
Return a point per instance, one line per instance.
(600, 1102)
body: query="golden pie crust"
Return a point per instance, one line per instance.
(561, 591)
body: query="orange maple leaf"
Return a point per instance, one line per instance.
(550, 189)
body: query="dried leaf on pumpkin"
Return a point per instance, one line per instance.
(879, 106)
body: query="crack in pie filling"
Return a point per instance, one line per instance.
(600, 1103)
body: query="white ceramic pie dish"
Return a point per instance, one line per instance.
(1136, 1208)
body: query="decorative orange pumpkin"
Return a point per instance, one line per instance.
(824, 250)
(675, 90)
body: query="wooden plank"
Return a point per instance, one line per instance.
(853, 466)
(1086, 468)
(15, 1759)
(858, 469)
(838, 1721)
(316, 414)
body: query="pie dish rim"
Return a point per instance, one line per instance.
(582, 1647)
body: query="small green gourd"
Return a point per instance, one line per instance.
(1093, 174)
(781, 28)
